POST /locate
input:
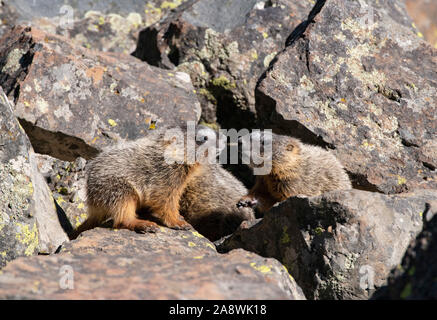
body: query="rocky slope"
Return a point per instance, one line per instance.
(107, 264)
(355, 77)
(341, 245)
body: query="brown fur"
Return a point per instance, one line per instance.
(208, 202)
(296, 169)
(134, 177)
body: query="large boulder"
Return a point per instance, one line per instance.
(350, 80)
(225, 45)
(416, 277)
(120, 264)
(100, 24)
(340, 245)
(73, 101)
(28, 220)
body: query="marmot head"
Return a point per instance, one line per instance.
(264, 149)
(193, 144)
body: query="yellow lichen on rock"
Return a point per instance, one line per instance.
(28, 237)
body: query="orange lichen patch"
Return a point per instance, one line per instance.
(96, 73)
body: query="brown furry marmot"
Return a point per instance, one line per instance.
(208, 202)
(296, 169)
(137, 175)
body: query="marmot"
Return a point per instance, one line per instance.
(149, 174)
(208, 202)
(296, 169)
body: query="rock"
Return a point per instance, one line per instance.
(340, 245)
(225, 45)
(28, 220)
(424, 14)
(102, 25)
(350, 81)
(416, 277)
(72, 101)
(108, 264)
(67, 183)
(7, 18)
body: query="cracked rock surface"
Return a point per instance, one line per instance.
(72, 101)
(416, 277)
(107, 264)
(225, 45)
(28, 220)
(354, 84)
(341, 245)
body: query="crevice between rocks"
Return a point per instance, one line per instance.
(296, 34)
(57, 144)
(301, 28)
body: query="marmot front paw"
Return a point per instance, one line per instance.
(247, 203)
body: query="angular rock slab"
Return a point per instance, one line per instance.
(341, 245)
(103, 25)
(73, 101)
(28, 219)
(416, 277)
(67, 183)
(108, 264)
(352, 82)
(225, 45)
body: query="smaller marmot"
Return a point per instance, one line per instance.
(149, 174)
(208, 202)
(296, 169)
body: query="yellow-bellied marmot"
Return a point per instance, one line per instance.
(296, 169)
(150, 173)
(208, 202)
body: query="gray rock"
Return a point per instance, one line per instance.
(416, 277)
(350, 80)
(341, 245)
(72, 101)
(28, 220)
(107, 264)
(225, 45)
(109, 26)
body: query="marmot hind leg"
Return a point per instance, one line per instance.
(125, 217)
(167, 211)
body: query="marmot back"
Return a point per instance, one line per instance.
(149, 173)
(296, 169)
(208, 202)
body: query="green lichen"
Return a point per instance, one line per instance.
(171, 4)
(268, 58)
(208, 95)
(401, 180)
(406, 292)
(191, 244)
(13, 61)
(318, 231)
(285, 238)
(261, 268)
(213, 126)
(412, 271)
(223, 82)
(28, 237)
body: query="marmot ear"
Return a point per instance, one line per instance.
(290, 147)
